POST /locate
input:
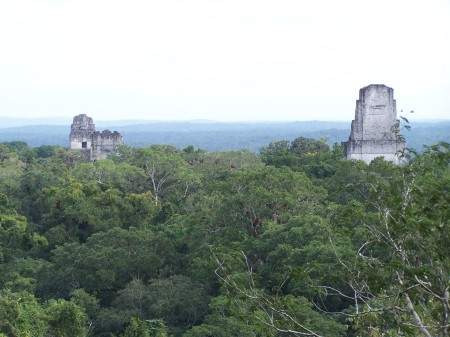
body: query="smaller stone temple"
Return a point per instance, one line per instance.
(95, 144)
(374, 131)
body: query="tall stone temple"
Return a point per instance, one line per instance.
(374, 131)
(95, 144)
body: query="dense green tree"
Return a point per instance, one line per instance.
(279, 154)
(47, 151)
(11, 170)
(108, 261)
(164, 241)
(415, 218)
(311, 156)
(146, 328)
(20, 273)
(399, 276)
(66, 319)
(234, 159)
(302, 145)
(229, 317)
(123, 177)
(75, 211)
(243, 204)
(21, 315)
(168, 175)
(15, 236)
(50, 172)
(90, 305)
(280, 314)
(178, 300)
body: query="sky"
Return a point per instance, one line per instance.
(225, 60)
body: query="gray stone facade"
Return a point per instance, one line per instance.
(95, 144)
(374, 131)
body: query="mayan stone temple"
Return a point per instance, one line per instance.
(95, 144)
(374, 130)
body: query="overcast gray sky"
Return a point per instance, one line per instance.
(221, 59)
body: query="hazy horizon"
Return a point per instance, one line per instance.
(239, 60)
(11, 123)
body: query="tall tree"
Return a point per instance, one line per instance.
(399, 277)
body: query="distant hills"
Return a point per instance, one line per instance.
(208, 135)
(7, 122)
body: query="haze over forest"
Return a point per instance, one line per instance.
(209, 135)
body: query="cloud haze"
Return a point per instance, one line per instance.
(222, 60)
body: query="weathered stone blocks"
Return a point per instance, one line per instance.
(96, 145)
(374, 131)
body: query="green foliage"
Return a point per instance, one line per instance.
(403, 263)
(168, 175)
(47, 151)
(302, 145)
(177, 299)
(227, 319)
(242, 205)
(66, 319)
(11, 170)
(90, 304)
(123, 177)
(265, 309)
(21, 272)
(164, 241)
(21, 315)
(108, 261)
(146, 328)
(79, 210)
(16, 236)
(304, 154)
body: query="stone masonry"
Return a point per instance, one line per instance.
(95, 144)
(374, 131)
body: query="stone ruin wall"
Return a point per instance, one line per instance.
(374, 129)
(369, 150)
(95, 144)
(104, 143)
(81, 132)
